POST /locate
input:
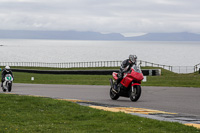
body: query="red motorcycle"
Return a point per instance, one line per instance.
(129, 85)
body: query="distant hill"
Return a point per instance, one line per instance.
(183, 36)
(75, 35)
(60, 35)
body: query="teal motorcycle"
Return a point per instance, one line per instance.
(7, 84)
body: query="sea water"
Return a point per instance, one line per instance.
(59, 51)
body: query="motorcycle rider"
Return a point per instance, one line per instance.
(5, 71)
(125, 67)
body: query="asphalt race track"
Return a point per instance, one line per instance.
(182, 100)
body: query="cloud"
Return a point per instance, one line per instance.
(106, 16)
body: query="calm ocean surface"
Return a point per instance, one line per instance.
(57, 51)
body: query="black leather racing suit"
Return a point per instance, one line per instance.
(125, 67)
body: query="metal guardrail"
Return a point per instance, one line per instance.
(79, 64)
(176, 69)
(64, 64)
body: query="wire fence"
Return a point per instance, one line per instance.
(176, 69)
(183, 69)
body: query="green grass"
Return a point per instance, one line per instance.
(166, 79)
(61, 79)
(25, 114)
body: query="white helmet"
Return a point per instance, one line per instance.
(7, 68)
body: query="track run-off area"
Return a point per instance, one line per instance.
(178, 104)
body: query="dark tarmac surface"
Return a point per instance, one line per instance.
(171, 99)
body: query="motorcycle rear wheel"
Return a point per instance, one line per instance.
(134, 96)
(113, 95)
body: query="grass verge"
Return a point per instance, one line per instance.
(167, 78)
(36, 114)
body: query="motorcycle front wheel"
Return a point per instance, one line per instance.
(135, 93)
(9, 87)
(113, 95)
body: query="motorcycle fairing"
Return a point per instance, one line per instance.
(126, 81)
(135, 84)
(129, 77)
(4, 83)
(137, 76)
(114, 74)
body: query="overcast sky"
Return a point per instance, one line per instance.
(105, 16)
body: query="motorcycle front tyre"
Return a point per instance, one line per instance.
(113, 95)
(136, 95)
(9, 87)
